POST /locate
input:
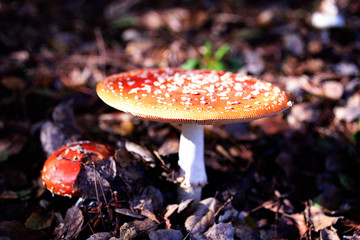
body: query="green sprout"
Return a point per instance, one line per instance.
(213, 61)
(356, 136)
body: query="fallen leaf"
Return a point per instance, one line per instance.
(11, 145)
(143, 226)
(149, 215)
(202, 218)
(127, 231)
(170, 146)
(8, 195)
(220, 231)
(332, 89)
(166, 234)
(150, 199)
(129, 213)
(62, 130)
(40, 220)
(117, 123)
(13, 83)
(318, 218)
(71, 226)
(300, 221)
(271, 125)
(16, 230)
(328, 234)
(243, 231)
(100, 236)
(140, 151)
(91, 183)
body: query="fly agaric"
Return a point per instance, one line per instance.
(61, 169)
(192, 98)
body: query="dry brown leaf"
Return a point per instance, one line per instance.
(333, 89)
(170, 146)
(40, 220)
(13, 83)
(300, 221)
(127, 232)
(92, 183)
(179, 207)
(166, 234)
(170, 209)
(149, 215)
(329, 234)
(118, 123)
(202, 218)
(220, 231)
(76, 77)
(62, 130)
(243, 231)
(8, 195)
(177, 19)
(143, 225)
(71, 226)
(150, 199)
(271, 125)
(16, 230)
(129, 213)
(140, 151)
(318, 218)
(100, 236)
(11, 145)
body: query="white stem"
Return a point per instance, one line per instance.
(191, 157)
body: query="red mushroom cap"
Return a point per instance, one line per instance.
(192, 96)
(61, 169)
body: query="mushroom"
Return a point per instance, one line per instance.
(192, 98)
(325, 17)
(61, 169)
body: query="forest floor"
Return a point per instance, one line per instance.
(293, 176)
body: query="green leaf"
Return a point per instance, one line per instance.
(222, 51)
(346, 180)
(4, 155)
(355, 136)
(190, 64)
(125, 22)
(207, 52)
(217, 66)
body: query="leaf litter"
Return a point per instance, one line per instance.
(289, 177)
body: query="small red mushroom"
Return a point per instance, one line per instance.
(61, 169)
